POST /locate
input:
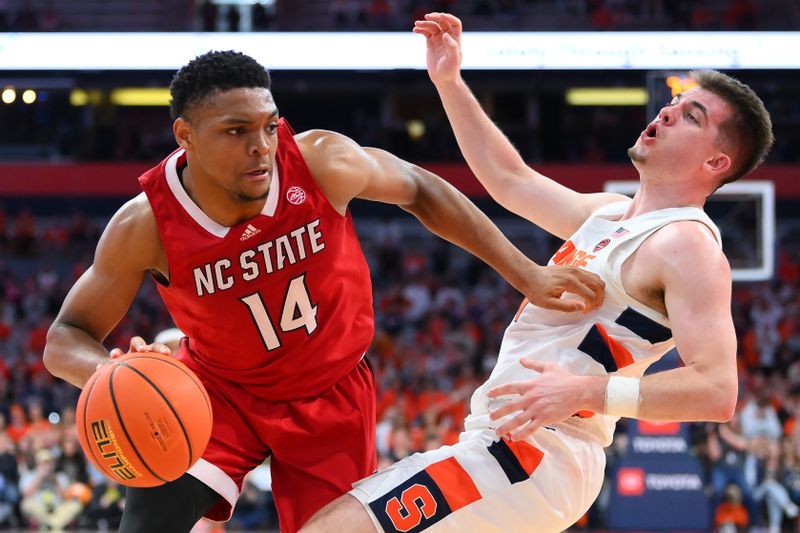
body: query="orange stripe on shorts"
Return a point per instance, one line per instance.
(457, 487)
(528, 455)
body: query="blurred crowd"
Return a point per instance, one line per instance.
(398, 15)
(440, 315)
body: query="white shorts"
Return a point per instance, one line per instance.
(486, 484)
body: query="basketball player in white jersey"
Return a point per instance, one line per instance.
(531, 456)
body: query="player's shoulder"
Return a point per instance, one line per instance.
(685, 234)
(135, 212)
(328, 152)
(324, 144)
(131, 236)
(687, 246)
(134, 222)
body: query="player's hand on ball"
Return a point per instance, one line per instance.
(138, 344)
(551, 282)
(551, 397)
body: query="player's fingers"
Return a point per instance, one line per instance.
(595, 284)
(557, 304)
(159, 347)
(449, 40)
(428, 25)
(116, 352)
(505, 409)
(513, 424)
(525, 432)
(138, 344)
(453, 21)
(517, 387)
(428, 34)
(577, 286)
(533, 364)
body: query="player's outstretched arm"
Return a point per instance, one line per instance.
(345, 170)
(103, 294)
(688, 265)
(490, 155)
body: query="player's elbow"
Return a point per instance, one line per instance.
(51, 360)
(723, 401)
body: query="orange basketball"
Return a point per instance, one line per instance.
(143, 419)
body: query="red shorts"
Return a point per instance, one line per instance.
(317, 446)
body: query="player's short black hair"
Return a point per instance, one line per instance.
(211, 72)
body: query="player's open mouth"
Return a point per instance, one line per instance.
(650, 133)
(259, 173)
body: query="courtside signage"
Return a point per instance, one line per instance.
(396, 50)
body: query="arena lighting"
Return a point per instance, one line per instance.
(9, 95)
(405, 50)
(140, 96)
(29, 96)
(81, 97)
(678, 84)
(594, 96)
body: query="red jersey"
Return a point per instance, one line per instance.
(280, 304)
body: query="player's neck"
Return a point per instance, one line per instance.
(654, 195)
(219, 204)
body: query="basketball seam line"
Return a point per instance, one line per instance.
(122, 423)
(179, 367)
(171, 408)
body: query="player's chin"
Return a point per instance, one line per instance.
(251, 195)
(636, 153)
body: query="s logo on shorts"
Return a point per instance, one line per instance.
(425, 498)
(412, 506)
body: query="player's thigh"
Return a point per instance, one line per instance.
(485, 485)
(174, 507)
(345, 513)
(321, 446)
(235, 447)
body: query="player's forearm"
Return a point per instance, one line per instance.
(72, 354)
(682, 394)
(488, 152)
(452, 216)
(688, 395)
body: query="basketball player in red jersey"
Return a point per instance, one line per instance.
(246, 230)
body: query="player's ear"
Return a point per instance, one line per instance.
(719, 164)
(182, 132)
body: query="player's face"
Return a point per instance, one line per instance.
(234, 137)
(684, 138)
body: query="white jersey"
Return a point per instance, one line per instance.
(622, 337)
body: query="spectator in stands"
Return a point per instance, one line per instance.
(9, 480)
(727, 449)
(262, 18)
(731, 516)
(104, 510)
(45, 501)
(769, 489)
(254, 508)
(209, 13)
(233, 18)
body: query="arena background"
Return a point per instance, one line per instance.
(83, 114)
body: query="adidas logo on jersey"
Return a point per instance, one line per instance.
(249, 231)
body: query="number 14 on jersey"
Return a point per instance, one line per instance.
(298, 312)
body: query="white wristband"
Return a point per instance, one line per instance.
(622, 396)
